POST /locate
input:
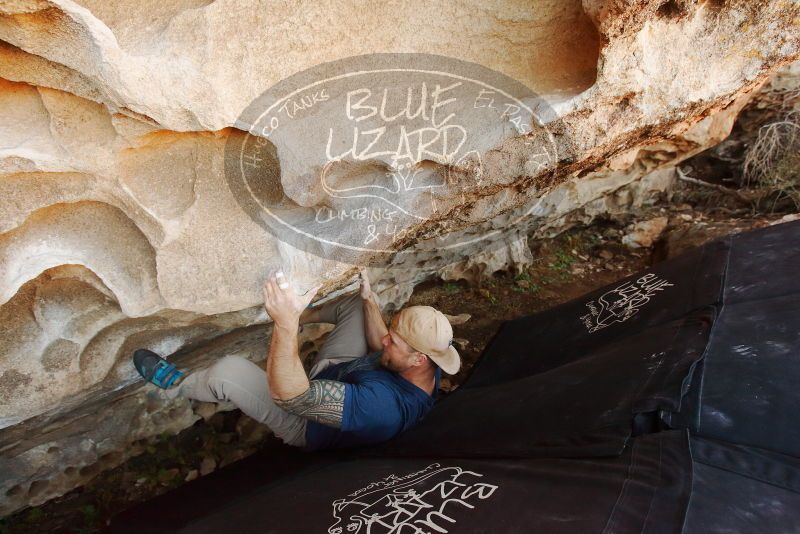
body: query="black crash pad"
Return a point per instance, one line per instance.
(642, 490)
(583, 408)
(737, 488)
(668, 291)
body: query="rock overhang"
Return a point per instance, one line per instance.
(116, 211)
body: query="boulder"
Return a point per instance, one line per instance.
(644, 234)
(120, 226)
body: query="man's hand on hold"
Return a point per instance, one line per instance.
(283, 304)
(366, 290)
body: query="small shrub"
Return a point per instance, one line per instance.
(451, 289)
(563, 260)
(772, 164)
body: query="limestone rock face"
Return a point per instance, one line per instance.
(119, 230)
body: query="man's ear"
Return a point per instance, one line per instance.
(422, 358)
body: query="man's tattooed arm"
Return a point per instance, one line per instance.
(322, 402)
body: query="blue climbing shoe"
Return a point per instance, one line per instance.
(156, 369)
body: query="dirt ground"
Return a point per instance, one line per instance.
(566, 267)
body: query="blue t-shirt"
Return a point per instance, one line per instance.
(378, 405)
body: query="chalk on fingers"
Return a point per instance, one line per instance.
(282, 283)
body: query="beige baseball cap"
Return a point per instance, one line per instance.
(428, 331)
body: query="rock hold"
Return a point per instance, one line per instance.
(644, 234)
(455, 320)
(207, 466)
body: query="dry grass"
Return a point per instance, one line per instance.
(772, 163)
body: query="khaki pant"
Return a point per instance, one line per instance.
(242, 382)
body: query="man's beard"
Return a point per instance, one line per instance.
(387, 364)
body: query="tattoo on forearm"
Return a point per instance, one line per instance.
(322, 402)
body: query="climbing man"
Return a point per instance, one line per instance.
(368, 384)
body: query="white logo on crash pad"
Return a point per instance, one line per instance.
(429, 500)
(622, 302)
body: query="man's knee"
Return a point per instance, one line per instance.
(240, 381)
(232, 369)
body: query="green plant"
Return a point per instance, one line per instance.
(451, 288)
(523, 283)
(89, 520)
(522, 277)
(563, 260)
(89, 513)
(532, 289)
(485, 293)
(34, 515)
